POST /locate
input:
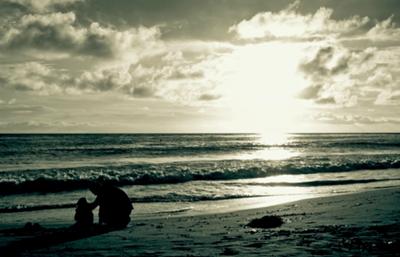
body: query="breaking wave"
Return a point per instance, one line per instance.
(68, 179)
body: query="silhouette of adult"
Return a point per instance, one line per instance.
(114, 205)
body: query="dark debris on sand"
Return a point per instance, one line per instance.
(269, 221)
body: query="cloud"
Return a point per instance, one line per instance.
(104, 80)
(31, 76)
(172, 75)
(42, 5)
(349, 62)
(37, 125)
(350, 119)
(61, 32)
(209, 97)
(169, 75)
(336, 74)
(46, 80)
(310, 92)
(328, 62)
(388, 97)
(289, 23)
(329, 100)
(385, 30)
(23, 109)
(11, 101)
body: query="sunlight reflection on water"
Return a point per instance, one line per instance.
(274, 147)
(270, 154)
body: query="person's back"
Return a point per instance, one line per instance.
(115, 206)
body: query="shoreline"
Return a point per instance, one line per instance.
(364, 223)
(63, 217)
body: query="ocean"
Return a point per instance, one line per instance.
(43, 175)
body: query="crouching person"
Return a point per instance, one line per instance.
(114, 204)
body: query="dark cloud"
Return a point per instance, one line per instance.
(186, 75)
(327, 100)
(209, 97)
(321, 65)
(311, 92)
(39, 5)
(61, 32)
(142, 92)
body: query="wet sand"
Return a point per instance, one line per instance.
(361, 224)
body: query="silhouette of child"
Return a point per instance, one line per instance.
(83, 213)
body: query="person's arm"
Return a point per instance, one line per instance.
(94, 204)
(76, 216)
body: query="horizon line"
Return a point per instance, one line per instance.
(181, 133)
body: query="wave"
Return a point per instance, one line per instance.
(321, 182)
(173, 197)
(69, 179)
(175, 210)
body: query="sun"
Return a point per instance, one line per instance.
(261, 82)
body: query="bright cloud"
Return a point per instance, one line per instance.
(336, 75)
(351, 119)
(289, 23)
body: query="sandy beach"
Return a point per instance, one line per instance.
(360, 224)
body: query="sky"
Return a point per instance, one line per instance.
(210, 66)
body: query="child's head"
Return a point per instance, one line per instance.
(81, 202)
(83, 213)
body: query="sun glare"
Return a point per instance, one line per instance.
(261, 84)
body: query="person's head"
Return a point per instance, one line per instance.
(95, 188)
(82, 202)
